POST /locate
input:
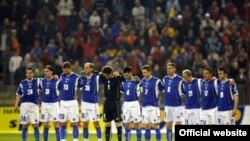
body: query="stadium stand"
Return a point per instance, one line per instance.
(192, 33)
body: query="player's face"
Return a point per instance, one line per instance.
(221, 75)
(87, 69)
(146, 73)
(170, 70)
(206, 75)
(108, 76)
(47, 73)
(29, 74)
(127, 75)
(66, 71)
(186, 77)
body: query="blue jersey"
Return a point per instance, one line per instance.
(89, 87)
(150, 91)
(49, 90)
(209, 94)
(68, 86)
(192, 93)
(226, 92)
(28, 90)
(130, 90)
(172, 90)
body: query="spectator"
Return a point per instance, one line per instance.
(65, 7)
(94, 19)
(14, 63)
(138, 13)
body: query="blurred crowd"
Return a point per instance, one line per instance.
(192, 33)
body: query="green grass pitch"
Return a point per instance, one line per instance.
(17, 137)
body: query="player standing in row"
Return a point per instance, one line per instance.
(89, 84)
(173, 107)
(131, 106)
(27, 92)
(112, 103)
(50, 104)
(191, 89)
(228, 98)
(209, 97)
(68, 104)
(151, 87)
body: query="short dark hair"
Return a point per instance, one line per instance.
(107, 70)
(49, 67)
(127, 69)
(223, 69)
(171, 64)
(66, 65)
(30, 68)
(208, 69)
(146, 67)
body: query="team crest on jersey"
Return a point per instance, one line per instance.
(206, 84)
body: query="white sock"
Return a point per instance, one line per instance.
(85, 139)
(63, 139)
(99, 139)
(75, 140)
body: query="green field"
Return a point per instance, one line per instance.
(17, 137)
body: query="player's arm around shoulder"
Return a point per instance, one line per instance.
(232, 81)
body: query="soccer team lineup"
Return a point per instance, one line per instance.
(132, 103)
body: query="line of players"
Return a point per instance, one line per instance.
(207, 100)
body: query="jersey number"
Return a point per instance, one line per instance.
(146, 91)
(127, 92)
(87, 88)
(30, 91)
(23, 118)
(221, 94)
(65, 87)
(190, 93)
(168, 90)
(47, 91)
(206, 92)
